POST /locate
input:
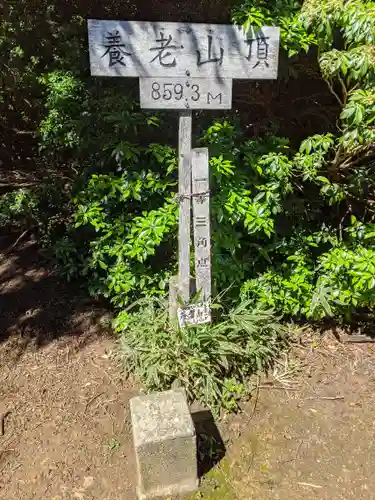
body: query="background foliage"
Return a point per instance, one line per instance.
(292, 215)
(292, 166)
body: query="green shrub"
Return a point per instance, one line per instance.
(212, 362)
(288, 289)
(18, 208)
(43, 209)
(288, 217)
(343, 281)
(348, 278)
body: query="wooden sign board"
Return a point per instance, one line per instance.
(185, 93)
(186, 66)
(164, 49)
(201, 222)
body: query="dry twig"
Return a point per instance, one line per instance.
(92, 400)
(296, 455)
(327, 398)
(256, 399)
(16, 242)
(310, 484)
(278, 388)
(105, 373)
(2, 422)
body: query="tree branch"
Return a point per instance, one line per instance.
(336, 159)
(334, 93)
(358, 155)
(344, 90)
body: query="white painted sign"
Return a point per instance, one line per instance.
(201, 221)
(215, 51)
(185, 93)
(196, 314)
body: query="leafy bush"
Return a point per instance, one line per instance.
(341, 281)
(268, 239)
(291, 220)
(44, 210)
(281, 212)
(17, 208)
(324, 265)
(212, 362)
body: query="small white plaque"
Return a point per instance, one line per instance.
(196, 314)
(185, 93)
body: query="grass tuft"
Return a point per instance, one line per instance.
(212, 362)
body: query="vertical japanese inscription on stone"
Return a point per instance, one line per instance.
(201, 222)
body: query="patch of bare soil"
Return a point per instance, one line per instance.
(64, 419)
(36, 305)
(66, 428)
(309, 431)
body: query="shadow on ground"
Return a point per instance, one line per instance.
(210, 445)
(38, 306)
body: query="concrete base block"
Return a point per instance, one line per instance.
(165, 445)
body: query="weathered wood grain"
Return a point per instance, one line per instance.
(185, 93)
(201, 221)
(184, 183)
(146, 49)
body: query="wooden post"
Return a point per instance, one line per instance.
(184, 189)
(173, 300)
(201, 222)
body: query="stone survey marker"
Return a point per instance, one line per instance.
(165, 444)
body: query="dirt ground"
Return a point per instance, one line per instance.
(308, 431)
(63, 403)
